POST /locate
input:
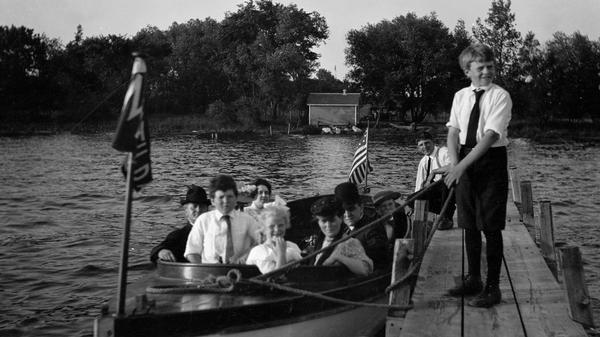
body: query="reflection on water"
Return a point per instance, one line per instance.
(62, 207)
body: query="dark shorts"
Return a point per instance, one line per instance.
(482, 191)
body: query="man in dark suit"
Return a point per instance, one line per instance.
(173, 247)
(355, 217)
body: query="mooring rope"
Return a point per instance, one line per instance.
(416, 262)
(325, 297)
(210, 284)
(227, 283)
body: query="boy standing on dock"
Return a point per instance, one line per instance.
(477, 140)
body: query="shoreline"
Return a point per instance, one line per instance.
(561, 133)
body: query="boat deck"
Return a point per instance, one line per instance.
(542, 302)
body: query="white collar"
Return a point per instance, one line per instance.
(486, 88)
(220, 215)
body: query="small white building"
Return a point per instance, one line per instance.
(333, 108)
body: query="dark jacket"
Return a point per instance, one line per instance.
(175, 242)
(374, 241)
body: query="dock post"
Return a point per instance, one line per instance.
(420, 227)
(580, 305)
(515, 187)
(547, 236)
(400, 295)
(527, 207)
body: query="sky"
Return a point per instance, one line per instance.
(59, 18)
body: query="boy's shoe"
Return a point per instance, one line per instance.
(470, 286)
(489, 297)
(445, 224)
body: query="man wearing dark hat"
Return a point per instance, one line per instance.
(396, 226)
(373, 240)
(173, 247)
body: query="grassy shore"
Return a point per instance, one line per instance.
(168, 125)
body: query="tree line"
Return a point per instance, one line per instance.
(258, 64)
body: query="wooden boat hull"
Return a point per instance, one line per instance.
(344, 322)
(250, 309)
(262, 312)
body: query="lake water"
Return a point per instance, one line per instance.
(62, 205)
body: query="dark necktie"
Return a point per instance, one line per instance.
(428, 166)
(474, 121)
(229, 245)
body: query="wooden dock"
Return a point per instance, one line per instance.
(543, 303)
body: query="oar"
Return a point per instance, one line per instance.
(290, 265)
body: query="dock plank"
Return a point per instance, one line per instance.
(541, 300)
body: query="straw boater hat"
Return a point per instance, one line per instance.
(195, 194)
(382, 196)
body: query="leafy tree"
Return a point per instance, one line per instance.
(268, 52)
(531, 88)
(156, 48)
(195, 77)
(91, 70)
(403, 65)
(23, 56)
(500, 34)
(573, 67)
(324, 81)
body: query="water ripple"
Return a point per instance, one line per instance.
(61, 227)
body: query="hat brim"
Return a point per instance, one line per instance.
(387, 196)
(199, 202)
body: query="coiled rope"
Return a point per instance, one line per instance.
(210, 284)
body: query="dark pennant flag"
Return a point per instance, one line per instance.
(360, 165)
(132, 130)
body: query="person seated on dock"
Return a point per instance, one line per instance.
(396, 226)
(373, 240)
(434, 158)
(350, 253)
(275, 251)
(173, 246)
(223, 235)
(477, 140)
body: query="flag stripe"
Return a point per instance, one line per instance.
(360, 165)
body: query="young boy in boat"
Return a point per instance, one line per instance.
(373, 240)
(275, 251)
(434, 158)
(329, 212)
(477, 140)
(223, 235)
(173, 246)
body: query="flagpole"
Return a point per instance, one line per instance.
(365, 189)
(125, 243)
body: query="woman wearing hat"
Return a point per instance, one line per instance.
(396, 227)
(173, 247)
(329, 214)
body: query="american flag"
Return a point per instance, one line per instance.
(360, 165)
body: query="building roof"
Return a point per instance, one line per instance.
(317, 98)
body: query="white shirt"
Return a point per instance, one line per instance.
(439, 158)
(263, 256)
(208, 236)
(495, 113)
